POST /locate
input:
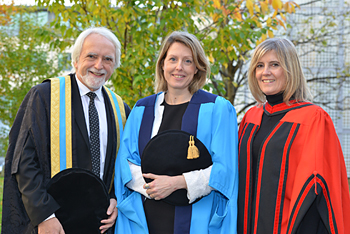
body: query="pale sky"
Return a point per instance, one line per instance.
(29, 2)
(24, 2)
(20, 2)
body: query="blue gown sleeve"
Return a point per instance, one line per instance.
(224, 174)
(131, 218)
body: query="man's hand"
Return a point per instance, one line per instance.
(112, 213)
(50, 226)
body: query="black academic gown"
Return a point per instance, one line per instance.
(26, 202)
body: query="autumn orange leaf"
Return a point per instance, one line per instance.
(250, 6)
(217, 4)
(277, 4)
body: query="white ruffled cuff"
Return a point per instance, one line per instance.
(197, 183)
(137, 181)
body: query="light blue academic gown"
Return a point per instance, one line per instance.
(212, 119)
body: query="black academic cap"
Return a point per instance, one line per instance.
(83, 200)
(168, 154)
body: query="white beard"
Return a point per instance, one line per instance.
(91, 81)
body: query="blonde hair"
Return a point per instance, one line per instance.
(287, 56)
(200, 60)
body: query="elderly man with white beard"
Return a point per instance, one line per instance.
(74, 101)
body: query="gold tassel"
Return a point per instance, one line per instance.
(193, 151)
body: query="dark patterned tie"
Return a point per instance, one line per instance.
(94, 134)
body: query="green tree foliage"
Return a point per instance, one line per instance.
(227, 29)
(236, 28)
(24, 62)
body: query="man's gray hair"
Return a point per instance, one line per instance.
(78, 45)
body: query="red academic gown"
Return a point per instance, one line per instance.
(301, 181)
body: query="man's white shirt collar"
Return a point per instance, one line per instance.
(83, 90)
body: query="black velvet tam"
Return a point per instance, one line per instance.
(83, 200)
(166, 154)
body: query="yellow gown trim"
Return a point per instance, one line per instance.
(61, 100)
